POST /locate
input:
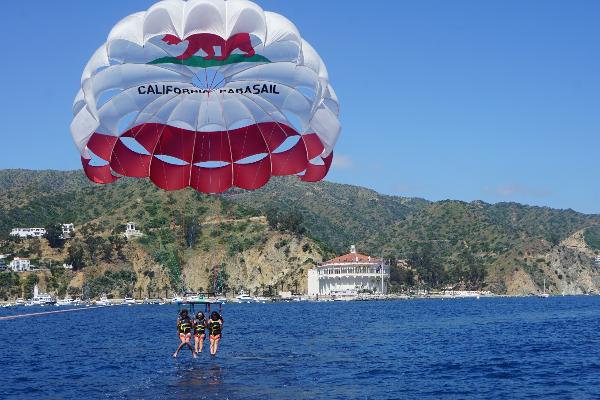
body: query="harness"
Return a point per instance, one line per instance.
(184, 325)
(200, 327)
(214, 327)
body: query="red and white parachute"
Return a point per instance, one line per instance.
(208, 94)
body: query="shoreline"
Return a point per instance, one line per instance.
(320, 299)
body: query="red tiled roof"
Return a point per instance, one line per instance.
(353, 258)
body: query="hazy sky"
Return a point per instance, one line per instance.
(494, 100)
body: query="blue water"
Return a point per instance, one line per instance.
(498, 348)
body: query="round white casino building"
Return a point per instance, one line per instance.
(349, 273)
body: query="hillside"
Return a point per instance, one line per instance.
(334, 213)
(192, 241)
(270, 237)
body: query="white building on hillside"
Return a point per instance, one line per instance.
(131, 231)
(67, 231)
(28, 232)
(20, 264)
(352, 272)
(597, 261)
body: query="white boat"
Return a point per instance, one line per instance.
(544, 294)
(244, 297)
(40, 298)
(129, 301)
(67, 301)
(344, 295)
(102, 302)
(20, 302)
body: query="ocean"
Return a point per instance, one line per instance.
(488, 348)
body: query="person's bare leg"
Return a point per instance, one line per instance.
(180, 346)
(199, 343)
(217, 345)
(189, 345)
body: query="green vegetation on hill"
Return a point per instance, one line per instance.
(592, 237)
(337, 215)
(448, 242)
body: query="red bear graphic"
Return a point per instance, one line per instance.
(208, 41)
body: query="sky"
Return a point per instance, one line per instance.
(466, 100)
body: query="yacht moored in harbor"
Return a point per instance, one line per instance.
(544, 294)
(40, 298)
(67, 301)
(344, 295)
(244, 297)
(102, 302)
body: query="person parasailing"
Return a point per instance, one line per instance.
(184, 328)
(215, 327)
(200, 325)
(154, 104)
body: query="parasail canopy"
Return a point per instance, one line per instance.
(208, 94)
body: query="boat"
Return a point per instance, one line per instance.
(244, 297)
(129, 301)
(67, 301)
(202, 301)
(544, 294)
(344, 295)
(102, 302)
(40, 298)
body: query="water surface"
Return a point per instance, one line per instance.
(495, 348)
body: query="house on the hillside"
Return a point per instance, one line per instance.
(67, 231)
(349, 273)
(26, 233)
(20, 264)
(131, 231)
